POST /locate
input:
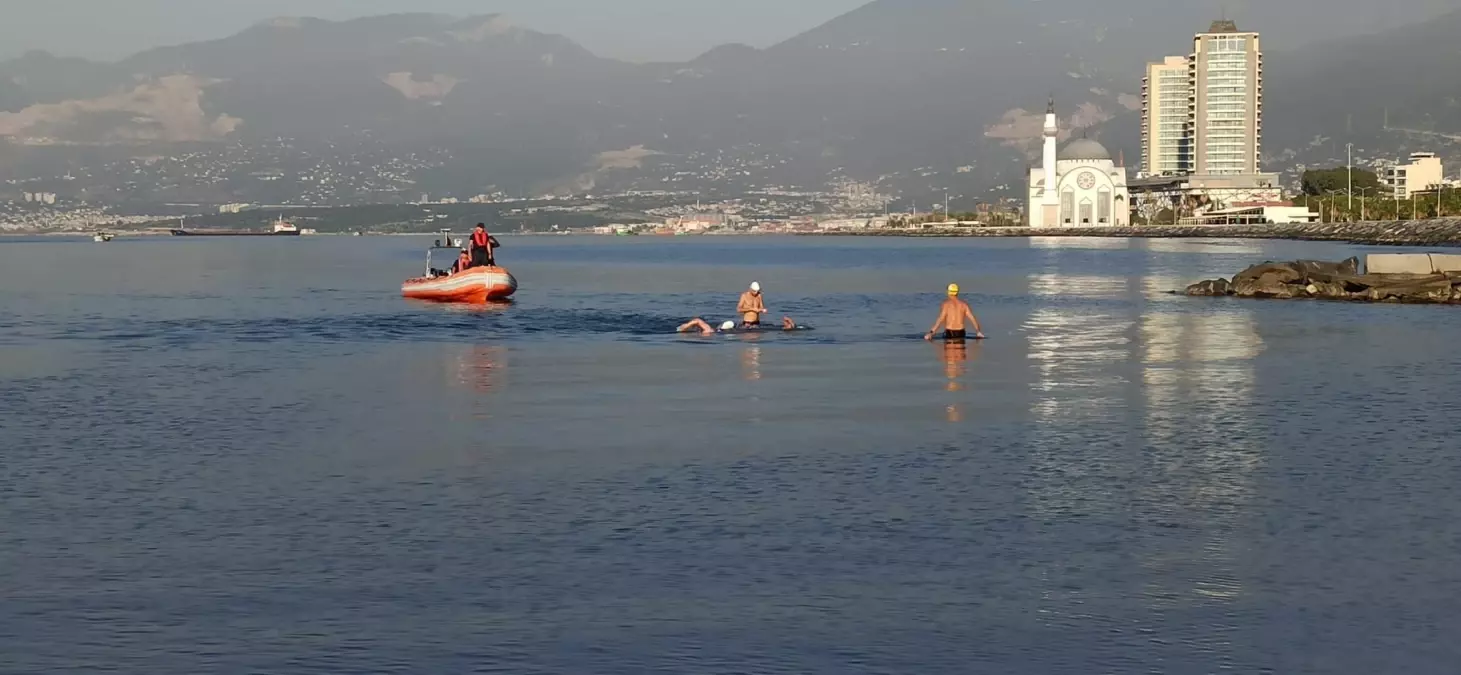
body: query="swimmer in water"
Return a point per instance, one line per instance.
(699, 324)
(951, 317)
(751, 306)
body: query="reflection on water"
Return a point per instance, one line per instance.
(751, 362)
(955, 357)
(480, 368)
(1069, 345)
(1080, 344)
(1097, 243)
(1224, 246)
(1198, 377)
(1074, 351)
(264, 473)
(462, 308)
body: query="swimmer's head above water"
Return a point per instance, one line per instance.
(953, 289)
(729, 325)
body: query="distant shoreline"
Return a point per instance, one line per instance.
(166, 233)
(1444, 232)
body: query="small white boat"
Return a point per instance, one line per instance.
(102, 236)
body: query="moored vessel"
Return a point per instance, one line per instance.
(281, 228)
(103, 236)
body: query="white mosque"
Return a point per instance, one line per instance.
(1080, 186)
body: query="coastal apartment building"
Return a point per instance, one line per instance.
(1220, 85)
(1165, 150)
(1423, 173)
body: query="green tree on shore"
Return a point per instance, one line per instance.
(1372, 205)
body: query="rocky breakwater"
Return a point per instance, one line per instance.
(1419, 279)
(1433, 232)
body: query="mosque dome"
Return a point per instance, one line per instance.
(1083, 149)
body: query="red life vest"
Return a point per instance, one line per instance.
(481, 239)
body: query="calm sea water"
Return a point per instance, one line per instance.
(251, 456)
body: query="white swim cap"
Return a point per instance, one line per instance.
(728, 325)
(756, 286)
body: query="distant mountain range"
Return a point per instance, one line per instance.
(915, 94)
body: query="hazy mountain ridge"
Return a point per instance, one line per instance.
(1353, 88)
(914, 88)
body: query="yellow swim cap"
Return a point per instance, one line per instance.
(953, 289)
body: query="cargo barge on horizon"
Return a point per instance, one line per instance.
(281, 229)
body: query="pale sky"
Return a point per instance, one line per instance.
(628, 29)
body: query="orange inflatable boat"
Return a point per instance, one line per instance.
(475, 285)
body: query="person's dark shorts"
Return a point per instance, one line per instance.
(955, 335)
(751, 324)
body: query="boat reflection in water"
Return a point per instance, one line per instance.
(480, 368)
(489, 307)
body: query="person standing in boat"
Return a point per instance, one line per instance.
(483, 245)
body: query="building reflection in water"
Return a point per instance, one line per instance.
(1098, 243)
(1079, 338)
(1198, 379)
(1074, 338)
(1141, 415)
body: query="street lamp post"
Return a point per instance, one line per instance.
(1363, 193)
(1333, 205)
(1349, 161)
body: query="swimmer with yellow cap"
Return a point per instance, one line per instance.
(951, 318)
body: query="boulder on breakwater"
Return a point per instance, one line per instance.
(1427, 279)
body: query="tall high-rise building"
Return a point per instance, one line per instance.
(1220, 85)
(1165, 91)
(1226, 75)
